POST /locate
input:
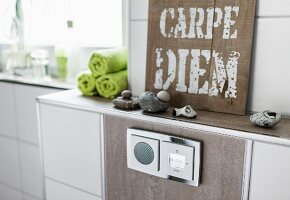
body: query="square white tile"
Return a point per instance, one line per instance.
(139, 9)
(273, 8)
(25, 101)
(138, 52)
(7, 110)
(7, 193)
(9, 163)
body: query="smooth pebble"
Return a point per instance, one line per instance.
(163, 96)
(126, 94)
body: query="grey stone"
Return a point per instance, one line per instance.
(150, 103)
(126, 101)
(163, 96)
(126, 94)
(266, 119)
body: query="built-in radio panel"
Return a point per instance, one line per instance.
(165, 156)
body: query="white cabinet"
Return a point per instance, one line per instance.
(270, 178)
(25, 103)
(57, 191)
(71, 142)
(7, 110)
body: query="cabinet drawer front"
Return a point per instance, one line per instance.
(221, 166)
(58, 191)
(72, 147)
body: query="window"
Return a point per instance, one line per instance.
(97, 23)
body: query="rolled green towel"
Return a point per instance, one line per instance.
(108, 61)
(111, 85)
(86, 84)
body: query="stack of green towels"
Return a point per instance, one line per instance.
(107, 76)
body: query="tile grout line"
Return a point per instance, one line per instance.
(18, 140)
(18, 190)
(73, 187)
(273, 17)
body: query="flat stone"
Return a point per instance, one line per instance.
(126, 104)
(150, 103)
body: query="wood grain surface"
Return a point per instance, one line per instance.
(242, 45)
(222, 166)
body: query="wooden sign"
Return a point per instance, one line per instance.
(200, 52)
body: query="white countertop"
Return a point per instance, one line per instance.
(215, 123)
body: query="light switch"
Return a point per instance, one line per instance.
(177, 160)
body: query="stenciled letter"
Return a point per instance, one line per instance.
(180, 86)
(181, 26)
(229, 22)
(159, 72)
(195, 71)
(162, 24)
(223, 73)
(199, 23)
(171, 69)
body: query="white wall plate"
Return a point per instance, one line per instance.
(164, 156)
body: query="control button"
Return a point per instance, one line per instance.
(177, 160)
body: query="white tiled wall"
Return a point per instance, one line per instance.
(25, 104)
(21, 176)
(270, 66)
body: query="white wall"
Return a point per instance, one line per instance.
(21, 175)
(270, 67)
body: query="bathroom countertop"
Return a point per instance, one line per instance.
(217, 123)
(53, 83)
